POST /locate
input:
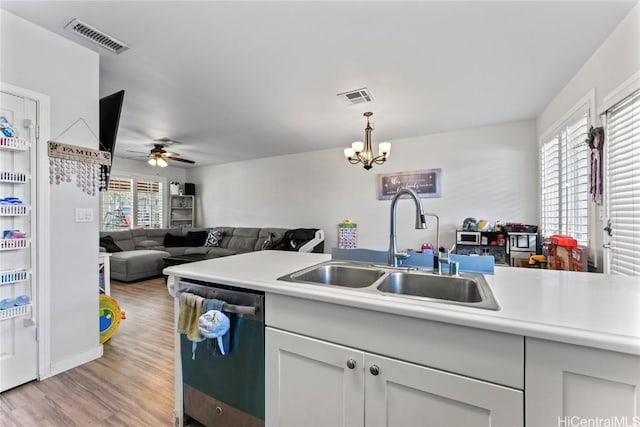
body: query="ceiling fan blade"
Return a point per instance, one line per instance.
(180, 159)
(146, 153)
(165, 140)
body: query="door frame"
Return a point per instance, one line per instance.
(42, 254)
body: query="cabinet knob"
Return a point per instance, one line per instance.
(351, 364)
(218, 410)
(374, 369)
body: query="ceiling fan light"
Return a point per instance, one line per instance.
(162, 163)
(152, 161)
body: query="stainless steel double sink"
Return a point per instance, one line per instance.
(467, 289)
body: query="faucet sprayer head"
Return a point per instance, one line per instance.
(421, 220)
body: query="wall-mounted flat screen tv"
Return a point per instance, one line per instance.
(110, 109)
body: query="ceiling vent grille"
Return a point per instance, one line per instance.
(96, 36)
(355, 97)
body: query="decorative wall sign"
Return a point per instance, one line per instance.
(82, 154)
(67, 160)
(347, 235)
(427, 183)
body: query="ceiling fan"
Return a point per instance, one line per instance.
(158, 156)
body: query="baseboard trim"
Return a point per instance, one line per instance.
(80, 359)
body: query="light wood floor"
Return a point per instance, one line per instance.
(131, 385)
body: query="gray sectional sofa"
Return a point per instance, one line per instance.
(143, 249)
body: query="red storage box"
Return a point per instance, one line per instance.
(562, 240)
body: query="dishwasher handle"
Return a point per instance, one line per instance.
(240, 309)
(239, 301)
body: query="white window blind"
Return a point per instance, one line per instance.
(550, 196)
(575, 181)
(564, 172)
(117, 204)
(622, 154)
(149, 204)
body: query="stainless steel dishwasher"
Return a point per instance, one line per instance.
(226, 390)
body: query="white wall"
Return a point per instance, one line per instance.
(487, 173)
(615, 61)
(610, 65)
(38, 60)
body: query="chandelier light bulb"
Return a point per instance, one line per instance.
(357, 146)
(384, 148)
(349, 153)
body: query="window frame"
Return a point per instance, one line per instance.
(585, 106)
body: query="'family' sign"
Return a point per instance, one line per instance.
(82, 154)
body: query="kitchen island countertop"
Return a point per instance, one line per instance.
(589, 309)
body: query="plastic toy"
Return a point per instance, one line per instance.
(110, 316)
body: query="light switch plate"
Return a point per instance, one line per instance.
(84, 215)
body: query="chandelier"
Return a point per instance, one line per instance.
(360, 152)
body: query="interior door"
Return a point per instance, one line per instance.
(18, 346)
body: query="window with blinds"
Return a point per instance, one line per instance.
(132, 203)
(564, 172)
(149, 204)
(117, 204)
(622, 157)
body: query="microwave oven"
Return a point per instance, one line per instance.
(467, 237)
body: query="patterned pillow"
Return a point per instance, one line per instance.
(214, 238)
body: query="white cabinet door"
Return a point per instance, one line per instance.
(403, 394)
(18, 346)
(572, 385)
(311, 382)
(315, 383)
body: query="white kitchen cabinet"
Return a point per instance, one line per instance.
(311, 382)
(405, 394)
(316, 383)
(573, 385)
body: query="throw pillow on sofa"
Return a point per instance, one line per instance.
(195, 238)
(109, 244)
(147, 244)
(172, 241)
(214, 238)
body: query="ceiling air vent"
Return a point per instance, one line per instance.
(96, 36)
(355, 97)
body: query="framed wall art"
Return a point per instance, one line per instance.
(427, 183)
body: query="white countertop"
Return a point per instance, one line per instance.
(589, 309)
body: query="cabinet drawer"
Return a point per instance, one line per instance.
(487, 355)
